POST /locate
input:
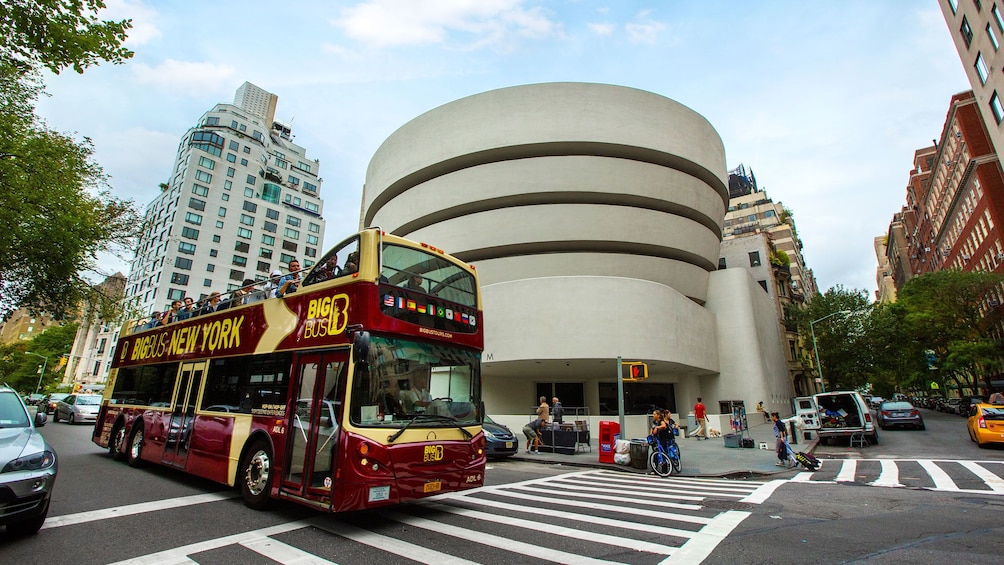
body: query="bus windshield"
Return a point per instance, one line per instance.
(405, 379)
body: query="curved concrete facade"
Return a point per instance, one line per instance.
(592, 212)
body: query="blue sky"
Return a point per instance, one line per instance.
(825, 101)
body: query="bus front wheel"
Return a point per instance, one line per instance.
(255, 476)
(135, 452)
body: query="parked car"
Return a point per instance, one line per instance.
(499, 440)
(78, 408)
(986, 424)
(34, 399)
(952, 406)
(892, 414)
(52, 400)
(842, 414)
(876, 401)
(28, 466)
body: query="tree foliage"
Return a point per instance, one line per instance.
(837, 319)
(57, 34)
(22, 370)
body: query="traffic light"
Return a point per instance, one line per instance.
(637, 371)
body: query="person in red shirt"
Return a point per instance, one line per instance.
(701, 415)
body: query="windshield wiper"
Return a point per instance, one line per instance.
(433, 417)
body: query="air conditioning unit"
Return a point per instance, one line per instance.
(1000, 256)
(965, 257)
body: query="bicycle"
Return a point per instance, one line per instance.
(664, 462)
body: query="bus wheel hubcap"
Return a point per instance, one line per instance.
(258, 470)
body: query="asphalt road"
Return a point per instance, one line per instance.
(105, 512)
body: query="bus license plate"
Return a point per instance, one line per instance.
(379, 493)
(508, 445)
(434, 486)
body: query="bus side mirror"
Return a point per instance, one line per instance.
(360, 346)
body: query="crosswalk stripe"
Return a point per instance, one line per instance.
(132, 509)
(534, 551)
(283, 553)
(763, 493)
(699, 547)
(941, 479)
(847, 471)
(995, 483)
(889, 477)
(180, 554)
(644, 491)
(607, 507)
(409, 551)
(562, 514)
(553, 529)
(651, 499)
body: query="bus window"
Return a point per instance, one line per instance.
(438, 276)
(405, 379)
(248, 385)
(336, 263)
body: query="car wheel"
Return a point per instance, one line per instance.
(115, 444)
(55, 416)
(922, 427)
(134, 455)
(28, 527)
(981, 445)
(71, 420)
(255, 476)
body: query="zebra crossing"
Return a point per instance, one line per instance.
(974, 477)
(587, 517)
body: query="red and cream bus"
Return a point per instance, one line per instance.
(360, 389)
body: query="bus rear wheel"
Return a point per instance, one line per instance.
(115, 444)
(135, 452)
(255, 476)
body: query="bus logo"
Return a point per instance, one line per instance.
(326, 316)
(433, 453)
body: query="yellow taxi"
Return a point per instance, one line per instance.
(986, 423)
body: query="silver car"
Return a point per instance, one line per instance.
(27, 467)
(78, 408)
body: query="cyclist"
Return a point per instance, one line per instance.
(664, 428)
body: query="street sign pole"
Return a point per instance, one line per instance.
(620, 393)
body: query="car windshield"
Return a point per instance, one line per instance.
(88, 400)
(490, 421)
(897, 406)
(12, 414)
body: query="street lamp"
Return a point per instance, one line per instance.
(819, 368)
(45, 361)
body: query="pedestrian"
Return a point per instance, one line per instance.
(760, 408)
(701, 415)
(556, 410)
(532, 433)
(780, 440)
(543, 411)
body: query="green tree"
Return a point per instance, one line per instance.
(22, 370)
(57, 34)
(839, 322)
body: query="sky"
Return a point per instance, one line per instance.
(825, 102)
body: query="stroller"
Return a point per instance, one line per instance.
(806, 460)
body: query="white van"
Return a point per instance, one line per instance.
(836, 414)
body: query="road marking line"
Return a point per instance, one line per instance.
(639, 498)
(995, 483)
(620, 509)
(131, 509)
(889, 477)
(535, 551)
(697, 549)
(803, 477)
(941, 479)
(847, 470)
(552, 529)
(283, 553)
(598, 520)
(763, 493)
(404, 549)
(180, 554)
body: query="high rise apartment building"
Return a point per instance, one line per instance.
(243, 200)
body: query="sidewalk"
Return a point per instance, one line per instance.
(700, 458)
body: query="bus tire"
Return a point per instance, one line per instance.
(254, 476)
(135, 448)
(116, 442)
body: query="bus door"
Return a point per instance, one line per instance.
(179, 428)
(314, 422)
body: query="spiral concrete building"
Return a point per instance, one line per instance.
(593, 214)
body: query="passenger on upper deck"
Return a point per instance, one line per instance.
(351, 263)
(212, 304)
(415, 283)
(171, 315)
(328, 270)
(272, 283)
(290, 282)
(187, 311)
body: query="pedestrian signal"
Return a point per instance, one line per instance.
(637, 371)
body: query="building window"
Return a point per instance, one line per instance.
(242, 246)
(200, 190)
(210, 268)
(175, 294)
(290, 232)
(186, 248)
(182, 263)
(190, 233)
(244, 162)
(236, 275)
(271, 214)
(264, 252)
(309, 252)
(179, 278)
(225, 197)
(207, 282)
(246, 148)
(293, 180)
(312, 206)
(267, 239)
(270, 192)
(754, 258)
(721, 263)
(313, 228)
(203, 176)
(249, 192)
(247, 220)
(285, 258)
(966, 32)
(981, 68)
(996, 13)
(250, 206)
(293, 221)
(207, 163)
(289, 245)
(764, 285)
(240, 261)
(308, 187)
(996, 107)
(270, 227)
(251, 180)
(196, 219)
(213, 252)
(954, 5)
(312, 239)
(993, 37)
(231, 171)
(233, 145)
(231, 158)
(244, 232)
(196, 204)
(212, 121)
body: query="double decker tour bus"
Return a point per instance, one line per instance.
(360, 389)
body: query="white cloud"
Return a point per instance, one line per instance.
(644, 32)
(144, 27)
(182, 76)
(391, 23)
(602, 29)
